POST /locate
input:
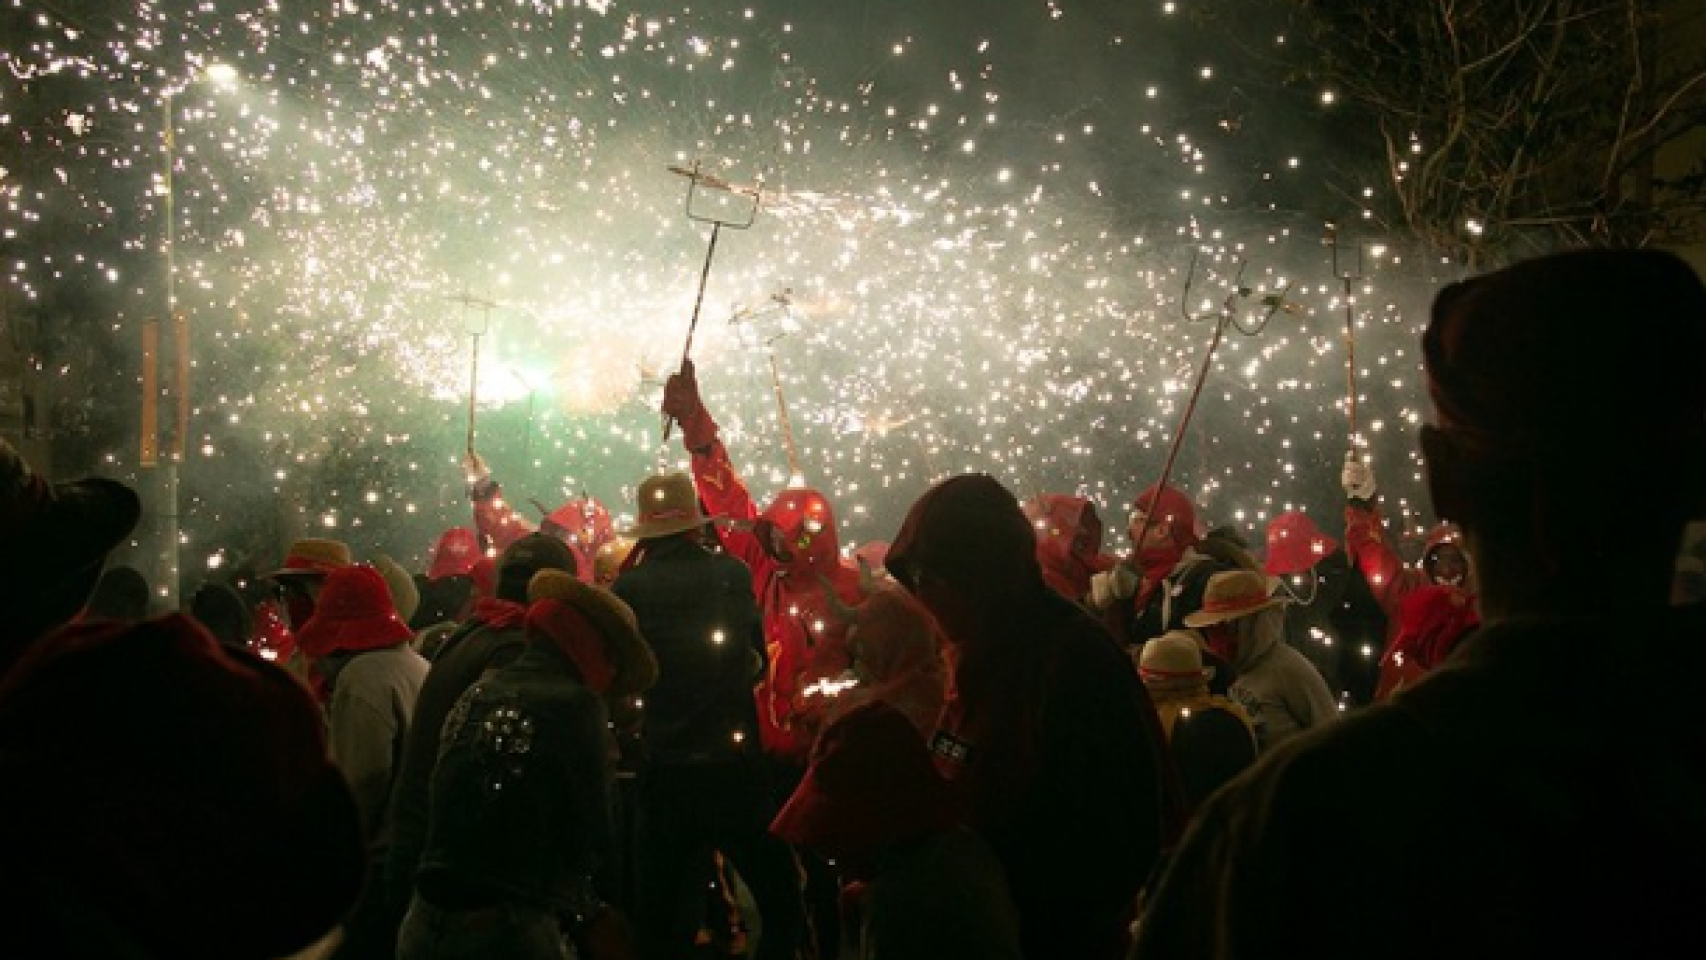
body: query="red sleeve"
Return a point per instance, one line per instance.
(1366, 546)
(497, 523)
(724, 495)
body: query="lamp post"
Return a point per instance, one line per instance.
(175, 393)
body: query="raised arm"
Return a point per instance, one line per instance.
(720, 489)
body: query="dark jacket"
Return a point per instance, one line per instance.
(460, 663)
(521, 791)
(1481, 813)
(1048, 734)
(1339, 626)
(697, 611)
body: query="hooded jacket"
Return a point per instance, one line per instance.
(1069, 542)
(1278, 687)
(1048, 735)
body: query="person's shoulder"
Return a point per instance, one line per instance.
(1078, 636)
(387, 661)
(483, 647)
(1380, 757)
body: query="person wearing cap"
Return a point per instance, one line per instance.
(1243, 621)
(359, 654)
(703, 784)
(167, 796)
(520, 820)
(1048, 737)
(69, 529)
(581, 522)
(1150, 592)
(1333, 619)
(1211, 737)
(1484, 812)
(1389, 578)
(492, 637)
(920, 884)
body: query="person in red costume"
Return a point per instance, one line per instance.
(794, 554)
(1069, 542)
(583, 522)
(1431, 622)
(1152, 591)
(1443, 561)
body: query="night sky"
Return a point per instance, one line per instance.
(982, 217)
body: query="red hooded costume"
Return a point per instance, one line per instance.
(583, 523)
(1069, 542)
(794, 554)
(1431, 621)
(1388, 578)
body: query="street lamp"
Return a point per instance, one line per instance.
(167, 563)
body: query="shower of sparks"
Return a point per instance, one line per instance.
(984, 222)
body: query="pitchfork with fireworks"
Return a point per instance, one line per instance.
(1228, 316)
(713, 200)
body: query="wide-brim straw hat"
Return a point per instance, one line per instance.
(1233, 595)
(314, 557)
(1173, 660)
(666, 504)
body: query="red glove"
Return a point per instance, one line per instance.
(681, 402)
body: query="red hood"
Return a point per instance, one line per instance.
(1069, 541)
(1443, 534)
(807, 525)
(582, 521)
(969, 525)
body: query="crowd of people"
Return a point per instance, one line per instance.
(720, 732)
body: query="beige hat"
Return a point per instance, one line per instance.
(1173, 660)
(667, 504)
(405, 596)
(314, 557)
(1234, 594)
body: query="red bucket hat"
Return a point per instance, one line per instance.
(354, 612)
(1295, 544)
(217, 826)
(456, 554)
(871, 783)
